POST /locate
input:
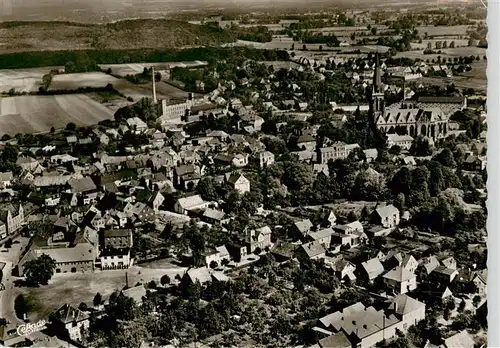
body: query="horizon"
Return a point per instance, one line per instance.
(103, 11)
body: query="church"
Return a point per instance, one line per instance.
(426, 116)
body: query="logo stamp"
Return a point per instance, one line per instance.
(26, 329)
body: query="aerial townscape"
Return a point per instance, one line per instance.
(309, 176)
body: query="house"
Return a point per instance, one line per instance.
(239, 183)
(306, 142)
(188, 204)
(460, 340)
(266, 159)
(480, 280)
(344, 270)
(475, 163)
(69, 321)
(118, 239)
(115, 259)
(237, 251)
(213, 216)
(403, 141)
(312, 251)
(372, 268)
(400, 280)
(366, 326)
(387, 216)
(283, 251)
(156, 201)
(258, 239)
(409, 310)
(136, 124)
(204, 275)
(324, 237)
(136, 293)
(6, 179)
(444, 273)
(240, 160)
(219, 255)
(302, 228)
(429, 264)
(12, 216)
(410, 263)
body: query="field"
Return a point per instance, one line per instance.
(443, 30)
(73, 81)
(137, 68)
(82, 287)
(22, 80)
(445, 53)
(34, 114)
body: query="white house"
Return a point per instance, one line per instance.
(187, 204)
(239, 183)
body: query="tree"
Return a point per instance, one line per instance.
(121, 306)
(476, 300)
(152, 284)
(10, 153)
(452, 44)
(97, 300)
(213, 264)
(23, 305)
(39, 271)
(71, 127)
(165, 280)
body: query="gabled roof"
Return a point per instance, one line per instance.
(191, 201)
(404, 304)
(399, 274)
(313, 249)
(136, 293)
(69, 314)
(373, 268)
(461, 340)
(386, 211)
(304, 225)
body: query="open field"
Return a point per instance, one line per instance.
(82, 287)
(476, 78)
(73, 81)
(22, 80)
(137, 68)
(445, 53)
(443, 30)
(33, 114)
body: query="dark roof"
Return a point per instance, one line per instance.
(68, 314)
(444, 100)
(117, 233)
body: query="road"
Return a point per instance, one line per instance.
(8, 295)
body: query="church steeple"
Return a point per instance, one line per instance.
(377, 79)
(377, 95)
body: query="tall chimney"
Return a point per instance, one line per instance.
(154, 85)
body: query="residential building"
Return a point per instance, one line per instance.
(118, 239)
(400, 280)
(371, 269)
(69, 322)
(259, 238)
(403, 141)
(387, 216)
(266, 159)
(239, 183)
(12, 215)
(219, 255)
(312, 250)
(189, 204)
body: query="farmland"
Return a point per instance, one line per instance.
(74, 81)
(34, 114)
(25, 80)
(137, 68)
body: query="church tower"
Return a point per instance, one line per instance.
(377, 95)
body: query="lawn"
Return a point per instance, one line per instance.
(137, 68)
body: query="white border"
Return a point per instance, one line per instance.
(493, 104)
